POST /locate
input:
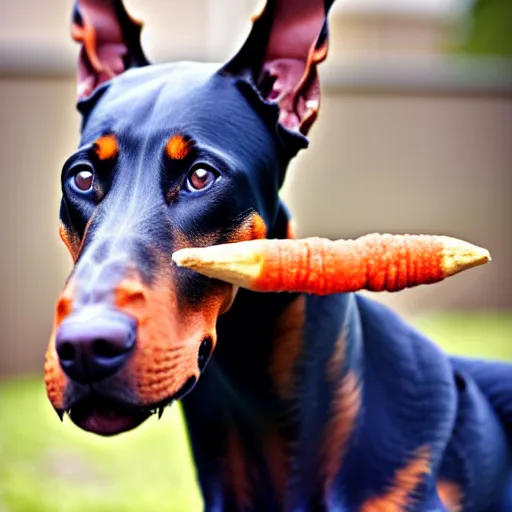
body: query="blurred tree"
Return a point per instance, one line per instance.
(486, 28)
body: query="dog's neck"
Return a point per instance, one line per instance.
(262, 409)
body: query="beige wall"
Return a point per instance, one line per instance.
(38, 131)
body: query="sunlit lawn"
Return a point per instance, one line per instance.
(478, 335)
(48, 467)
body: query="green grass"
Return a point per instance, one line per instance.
(49, 467)
(486, 335)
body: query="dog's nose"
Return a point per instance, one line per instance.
(93, 347)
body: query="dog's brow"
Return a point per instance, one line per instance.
(178, 147)
(106, 147)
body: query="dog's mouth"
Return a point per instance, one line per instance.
(106, 417)
(109, 417)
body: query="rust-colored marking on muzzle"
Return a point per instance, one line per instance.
(55, 379)
(168, 335)
(252, 228)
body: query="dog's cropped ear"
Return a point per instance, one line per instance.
(280, 57)
(110, 41)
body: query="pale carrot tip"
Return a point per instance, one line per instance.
(238, 264)
(186, 257)
(459, 255)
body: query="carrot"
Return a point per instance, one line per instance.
(319, 266)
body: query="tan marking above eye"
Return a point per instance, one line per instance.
(106, 147)
(178, 147)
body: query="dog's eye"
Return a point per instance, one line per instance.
(200, 179)
(83, 178)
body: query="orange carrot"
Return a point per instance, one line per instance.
(315, 265)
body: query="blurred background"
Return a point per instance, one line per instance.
(415, 135)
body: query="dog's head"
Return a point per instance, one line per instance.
(170, 156)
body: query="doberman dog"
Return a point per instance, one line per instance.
(307, 402)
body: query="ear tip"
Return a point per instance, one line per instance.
(96, 25)
(77, 15)
(273, 50)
